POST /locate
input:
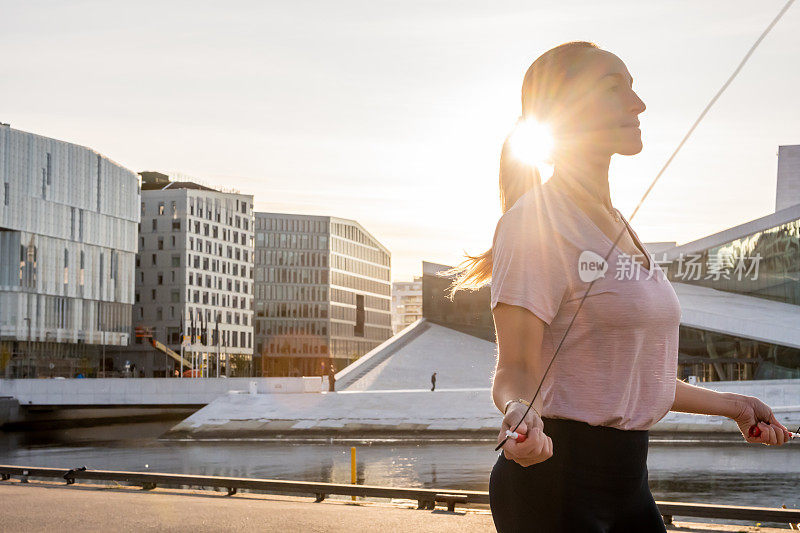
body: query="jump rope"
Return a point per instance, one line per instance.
(754, 430)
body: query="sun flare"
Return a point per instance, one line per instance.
(532, 143)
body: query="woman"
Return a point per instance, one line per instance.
(583, 466)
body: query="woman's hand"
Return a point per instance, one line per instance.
(753, 411)
(537, 447)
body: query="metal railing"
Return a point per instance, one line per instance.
(426, 498)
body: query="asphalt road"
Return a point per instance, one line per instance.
(50, 507)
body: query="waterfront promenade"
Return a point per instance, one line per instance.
(48, 506)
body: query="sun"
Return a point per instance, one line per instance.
(532, 143)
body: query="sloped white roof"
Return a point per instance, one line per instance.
(407, 360)
(739, 315)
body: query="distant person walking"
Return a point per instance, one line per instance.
(617, 375)
(433, 381)
(331, 378)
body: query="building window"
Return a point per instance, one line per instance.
(66, 266)
(160, 208)
(176, 225)
(102, 271)
(176, 261)
(154, 259)
(155, 224)
(99, 181)
(161, 243)
(358, 330)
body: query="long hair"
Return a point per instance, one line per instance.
(542, 89)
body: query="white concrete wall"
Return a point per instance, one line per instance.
(145, 391)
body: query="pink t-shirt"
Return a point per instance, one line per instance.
(618, 364)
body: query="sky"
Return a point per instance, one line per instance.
(393, 113)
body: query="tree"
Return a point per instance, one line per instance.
(239, 365)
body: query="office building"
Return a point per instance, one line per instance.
(194, 268)
(406, 303)
(322, 293)
(68, 219)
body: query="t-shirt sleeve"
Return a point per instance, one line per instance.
(528, 265)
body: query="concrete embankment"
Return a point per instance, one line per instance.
(9, 409)
(454, 413)
(46, 507)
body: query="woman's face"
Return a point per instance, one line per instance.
(601, 109)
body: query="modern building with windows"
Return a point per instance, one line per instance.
(406, 303)
(740, 291)
(193, 269)
(322, 293)
(68, 219)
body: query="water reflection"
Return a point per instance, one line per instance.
(723, 471)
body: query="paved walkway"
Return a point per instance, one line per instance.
(47, 506)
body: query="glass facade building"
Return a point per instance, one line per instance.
(68, 222)
(760, 258)
(322, 293)
(764, 263)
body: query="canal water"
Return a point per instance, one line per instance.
(722, 470)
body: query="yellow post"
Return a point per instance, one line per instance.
(353, 468)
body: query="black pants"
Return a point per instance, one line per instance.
(596, 481)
